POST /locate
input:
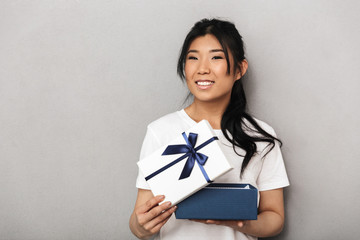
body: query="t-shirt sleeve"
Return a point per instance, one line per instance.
(150, 145)
(273, 173)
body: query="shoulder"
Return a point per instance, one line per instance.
(165, 121)
(266, 127)
(168, 127)
(250, 128)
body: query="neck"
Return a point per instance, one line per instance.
(210, 111)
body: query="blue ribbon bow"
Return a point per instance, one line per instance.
(190, 152)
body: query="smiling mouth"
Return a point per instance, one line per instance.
(204, 83)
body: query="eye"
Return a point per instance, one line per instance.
(192, 58)
(217, 57)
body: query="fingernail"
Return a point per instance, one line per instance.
(161, 197)
(168, 204)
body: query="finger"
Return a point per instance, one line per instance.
(199, 220)
(205, 221)
(212, 222)
(161, 216)
(231, 223)
(149, 204)
(222, 222)
(240, 224)
(234, 224)
(146, 217)
(160, 224)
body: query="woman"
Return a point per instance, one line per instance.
(212, 62)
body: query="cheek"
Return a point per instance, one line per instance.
(220, 69)
(188, 70)
(191, 86)
(191, 67)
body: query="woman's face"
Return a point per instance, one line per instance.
(206, 70)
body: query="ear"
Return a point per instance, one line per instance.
(243, 66)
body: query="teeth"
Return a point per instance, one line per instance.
(204, 83)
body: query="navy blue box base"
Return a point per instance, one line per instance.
(220, 201)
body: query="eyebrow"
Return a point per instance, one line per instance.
(212, 50)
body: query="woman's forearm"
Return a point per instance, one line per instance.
(268, 224)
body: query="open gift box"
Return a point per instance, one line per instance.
(220, 201)
(186, 164)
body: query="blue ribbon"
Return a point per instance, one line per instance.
(190, 152)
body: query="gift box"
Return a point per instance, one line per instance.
(220, 201)
(186, 164)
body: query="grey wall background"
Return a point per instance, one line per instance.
(80, 81)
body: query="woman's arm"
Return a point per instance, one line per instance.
(148, 216)
(270, 220)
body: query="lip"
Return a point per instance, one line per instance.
(204, 84)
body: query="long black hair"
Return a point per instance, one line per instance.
(244, 129)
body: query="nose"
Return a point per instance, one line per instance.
(204, 67)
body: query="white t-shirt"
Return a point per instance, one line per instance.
(264, 173)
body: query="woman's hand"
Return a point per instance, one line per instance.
(148, 216)
(237, 225)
